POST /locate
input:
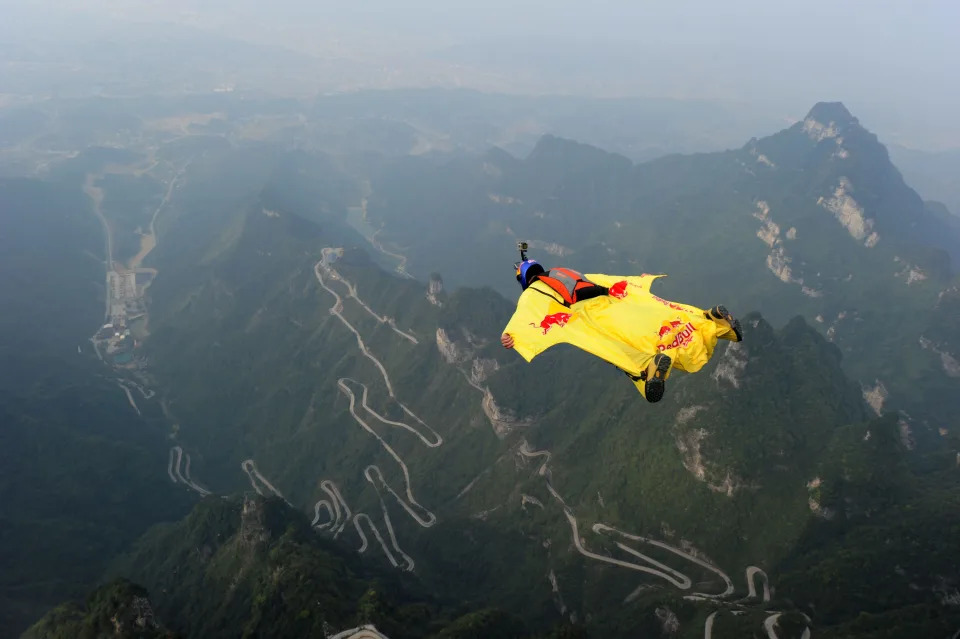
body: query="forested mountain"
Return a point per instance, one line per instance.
(253, 567)
(805, 478)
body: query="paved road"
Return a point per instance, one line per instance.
(708, 626)
(183, 477)
(148, 245)
(652, 566)
(427, 435)
(752, 572)
(250, 468)
(95, 194)
(419, 513)
(129, 397)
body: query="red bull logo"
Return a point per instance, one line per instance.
(683, 335)
(667, 327)
(675, 307)
(554, 319)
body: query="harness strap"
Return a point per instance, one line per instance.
(571, 285)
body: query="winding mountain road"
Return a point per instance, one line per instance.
(373, 474)
(339, 518)
(728, 590)
(178, 477)
(401, 259)
(250, 468)
(316, 515)
(147, 394)
(652, 566)
(752, 572)
(433, 441)
(410, 504)
(527, 499)
(129, 397)
(95, 193)
(770, 625)
(708, 626)
(675, 577)
(332, 273)
(376, 533)
(383, 319)
(393, 537)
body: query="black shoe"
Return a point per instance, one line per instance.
(720, 312)
(655, 386)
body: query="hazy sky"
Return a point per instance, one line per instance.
(895, 64)
(903, 56)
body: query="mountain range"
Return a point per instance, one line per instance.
(814, 221)
(328, 338)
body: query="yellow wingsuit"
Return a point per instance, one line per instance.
(626, 331)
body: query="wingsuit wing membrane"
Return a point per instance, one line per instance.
(626, 331)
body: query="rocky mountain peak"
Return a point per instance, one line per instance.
(829, 120)
(835, 112)
(253, 529)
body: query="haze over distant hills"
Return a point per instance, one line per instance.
(889, 64)
(936, 176)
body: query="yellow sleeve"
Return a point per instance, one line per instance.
(541, 322)
(530, 338)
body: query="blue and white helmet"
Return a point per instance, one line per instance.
(526, 271)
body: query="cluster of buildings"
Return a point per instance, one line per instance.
(125, 305)
(118, 345)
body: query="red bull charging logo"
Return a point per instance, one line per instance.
(683, 335)
(675, 307)
(619, 290)
(554, 319)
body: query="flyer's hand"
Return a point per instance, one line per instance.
(506, 340)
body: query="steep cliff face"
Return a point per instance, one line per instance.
(435, 289)
(463, 354)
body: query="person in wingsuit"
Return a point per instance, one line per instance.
(616, 318)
